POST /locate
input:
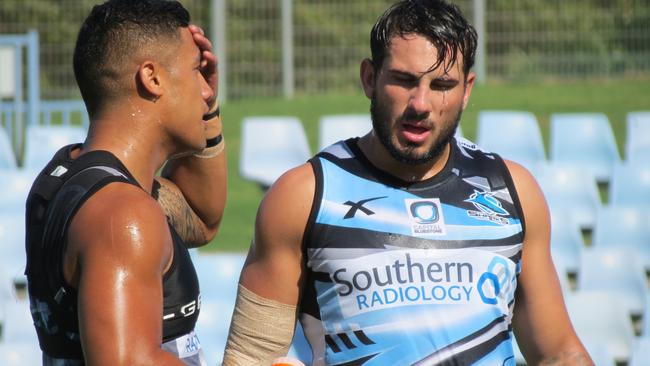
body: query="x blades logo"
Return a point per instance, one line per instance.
(426, 216)
(358, 206)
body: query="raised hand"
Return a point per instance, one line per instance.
(208, 59)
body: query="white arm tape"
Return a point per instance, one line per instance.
(260, 331)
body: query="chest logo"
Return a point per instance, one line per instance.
(489, 208)
(426, 216)
(358, 206)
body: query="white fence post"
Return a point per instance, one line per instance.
(218, 38)
(7, 71)
(33, 76)
(479, 23)
(288, 77)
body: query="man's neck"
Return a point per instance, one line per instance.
(135, 139)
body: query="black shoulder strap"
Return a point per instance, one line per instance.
(64, 205)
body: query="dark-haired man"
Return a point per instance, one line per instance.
(406, 246)
(110, 278)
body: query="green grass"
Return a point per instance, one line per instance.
(614, 98)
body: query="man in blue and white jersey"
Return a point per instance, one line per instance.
(406, 246)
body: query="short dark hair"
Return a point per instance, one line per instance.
(440, 22)
(115, 31)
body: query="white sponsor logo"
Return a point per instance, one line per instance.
(421, 276)
(426, 216)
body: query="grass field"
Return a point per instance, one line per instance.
(614, 98)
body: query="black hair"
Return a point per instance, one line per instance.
(115, 31)
(440, 22)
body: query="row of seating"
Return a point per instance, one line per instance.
(616, 227)
(583, 139)
(580, 141)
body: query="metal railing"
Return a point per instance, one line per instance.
(294, 47)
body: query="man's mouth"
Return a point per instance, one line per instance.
(415, 132)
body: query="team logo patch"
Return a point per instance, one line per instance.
(489, 208)
(426, 216)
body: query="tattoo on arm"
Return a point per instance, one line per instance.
(181, 216)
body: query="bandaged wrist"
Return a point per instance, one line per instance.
(260, 331)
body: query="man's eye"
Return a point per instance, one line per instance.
(402, 80)
(443, 85)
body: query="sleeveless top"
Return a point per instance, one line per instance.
(56, 195)
(419, 273)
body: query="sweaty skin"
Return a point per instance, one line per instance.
(119, 244)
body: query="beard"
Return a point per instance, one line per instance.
(408, 154)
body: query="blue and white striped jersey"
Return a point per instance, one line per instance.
(403, 273)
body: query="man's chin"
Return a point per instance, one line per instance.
(416, 154)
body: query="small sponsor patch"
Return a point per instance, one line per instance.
(426, 216)
(188, 345)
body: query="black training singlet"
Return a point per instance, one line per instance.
(56, 195)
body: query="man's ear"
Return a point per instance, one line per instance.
(367, 75)
(469, 84)
(149, 79)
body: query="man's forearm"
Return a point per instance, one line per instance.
(202, 177)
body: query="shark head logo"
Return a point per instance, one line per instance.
(485, 202)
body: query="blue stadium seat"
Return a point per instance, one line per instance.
(41, 142)
(514, 135)
(17, 323)
(332, 128)
(219, 274)
(637, 142)
(15, 353)
(641, 352)
(630, 185)
(616, 271)
(585, 141)
(566, 242)
(16, 184)
(7, 156)
(12, 245)
(601, 321)
(624, 227)
(218, 277)
(572, 191)
(271, 146)
(645, 318)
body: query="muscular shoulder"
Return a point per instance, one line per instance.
(528, 189)
(124, 224)
(531, 197)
